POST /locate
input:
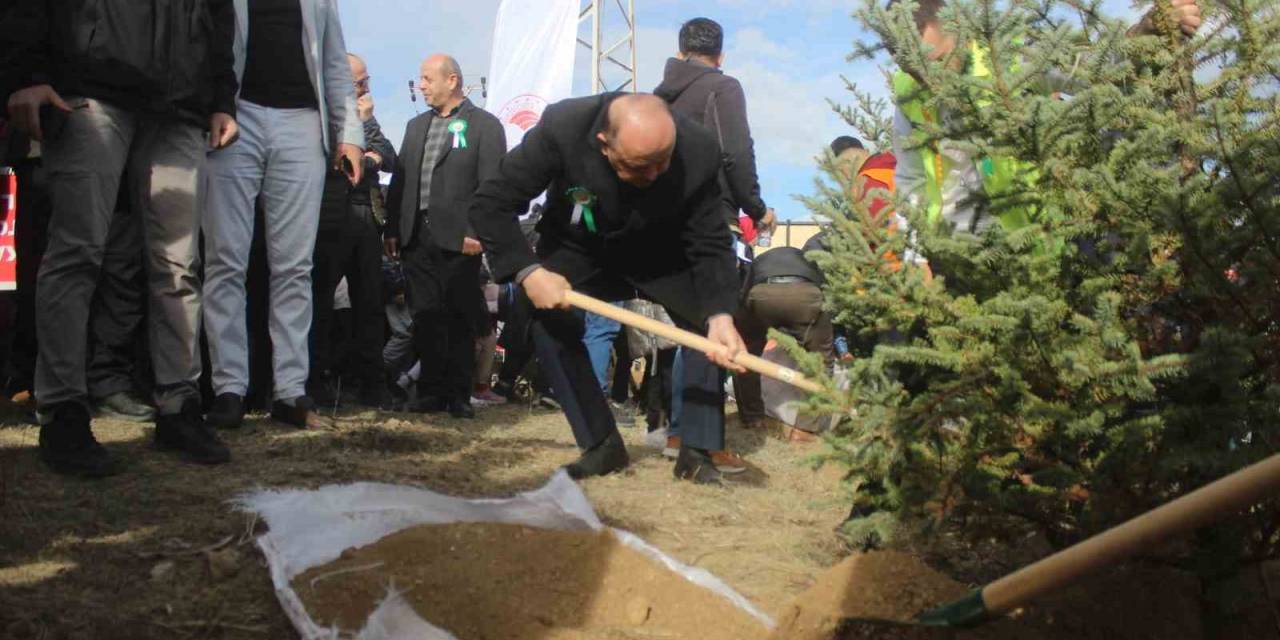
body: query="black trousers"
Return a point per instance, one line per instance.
(348, 244)
(557, 338)
(443, 291)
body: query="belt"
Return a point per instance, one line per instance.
(786, 279)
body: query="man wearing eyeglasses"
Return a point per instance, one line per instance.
(349, 243)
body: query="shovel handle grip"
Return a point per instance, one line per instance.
(690, 340)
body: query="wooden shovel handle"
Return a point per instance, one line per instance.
(1237, 491)
(690, 340)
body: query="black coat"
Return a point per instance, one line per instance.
(669, 240)
(716, 101)
(164, 58)
(457, 174)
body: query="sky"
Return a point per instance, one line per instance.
(788, 54)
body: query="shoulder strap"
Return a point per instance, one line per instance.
(712, 109)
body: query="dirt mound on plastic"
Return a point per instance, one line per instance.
(494, 581)
(883, 585)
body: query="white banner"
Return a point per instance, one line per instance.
(532, 64)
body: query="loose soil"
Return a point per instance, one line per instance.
(511, 582)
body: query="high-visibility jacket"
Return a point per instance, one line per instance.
(995, 176)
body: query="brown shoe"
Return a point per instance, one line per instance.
(728, 462)
(800, 436)
(672, 450)
(300, 413)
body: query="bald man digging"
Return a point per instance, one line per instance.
(447, 153)
(632, 210)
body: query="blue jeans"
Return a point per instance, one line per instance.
(697, 399)
(599, 337)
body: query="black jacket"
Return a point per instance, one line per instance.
(457, 174)
(339, 195)
(715, 100)
(167, 58)
(669, 240)
(784, 262)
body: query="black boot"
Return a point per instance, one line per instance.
(610, 456)
(188, 433)
(696, 465)
(461, 408)
(227, 412)
(67, 444)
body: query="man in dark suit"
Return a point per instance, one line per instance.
(632, 205)
(447, 152)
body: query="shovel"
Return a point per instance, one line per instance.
(1210, 503)
(690, 340)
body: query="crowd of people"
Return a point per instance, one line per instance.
(211, 171)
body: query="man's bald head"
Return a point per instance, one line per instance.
(440, 81)
(639, 138)
(359, 73)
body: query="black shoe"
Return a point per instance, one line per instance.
(459, 408)
(623, 413)
(375, 395)
(610, 456)
(299, 412)
(428, 404)
(124, 405)
(227, 412)
(696, 465)
(188, 433)
(67, 444)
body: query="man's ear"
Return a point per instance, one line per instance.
(604, 142)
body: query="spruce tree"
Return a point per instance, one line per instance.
(1121, 349)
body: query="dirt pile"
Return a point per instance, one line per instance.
(492, 581)
(1131, 602)
(883, 586)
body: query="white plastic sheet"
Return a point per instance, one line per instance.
(309, 528)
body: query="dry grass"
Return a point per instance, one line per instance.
(158, 553)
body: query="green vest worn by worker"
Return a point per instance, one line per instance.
(1000, 176)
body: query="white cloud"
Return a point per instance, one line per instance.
(790, 118)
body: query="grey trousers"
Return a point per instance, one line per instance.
(85, 161)
(398, 354)
(279, 157)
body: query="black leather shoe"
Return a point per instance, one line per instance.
(696, 465)
(462, 409)
(300, 412)
(68, 447)
(227, 412)
(610, 456)
(188, 433)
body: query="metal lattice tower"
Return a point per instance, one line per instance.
(610, 68)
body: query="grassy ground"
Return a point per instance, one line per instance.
(158, 553)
